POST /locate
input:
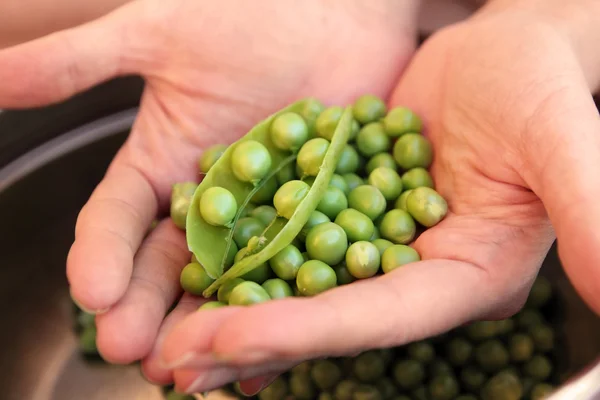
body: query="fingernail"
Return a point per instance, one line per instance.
(192, 359)
(85, 309)
(265, 384)
(211, 380)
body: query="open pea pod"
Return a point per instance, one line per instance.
(288, 232)
(209, 243)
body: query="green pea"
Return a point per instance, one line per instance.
(409, 374)
(540, 294)
(502, 386)
(302, 387)
(194, 279)
(210, 156)
(277, 390)
(413, 150)
(265, 194)
(325, 396)
(386, 387)
(332, 202)
(400, 203)
(369, 366)
(491, 355)
(368, 108)
(326, 374)
(310, 180)
(505, 326)
(443, 387)
(250, 161)
(480, 330)
(382, 245)
(527, 318)
(85, 319)
(376, 234)
(173, 395)
(362, 259)
(248, 293)
(368, 200)
(416, 177)
(316, 218)
(245, 229)
(366, 392)
(218, 206)
(426, 206)
(401, 120)
(224, 291)
(181, 198)
(472, 378)
(265, 214)
(398, 227)
(387, 181)
(258, 274)
(287, 262)
(371, 139)
(349, 161)
(541, 391)
(339, 182)
(311, 156)
(87, 340)
(345, 389)
(459, 351)
(353, 181)
(327, 242)
(277, 288)
(543, 337)
(286, 174)
(289, 131)
(381, 160)
(289, 196)
(520, 347)
(342, 274)
(356, 225)
(421, 351)
(315, 277)
(310, 112)
(396, 256)
(354, 130)
(211, 304)
(538, 367)
(440, 367)
(328, 121)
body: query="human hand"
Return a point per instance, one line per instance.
(506, 102)
(212, 71)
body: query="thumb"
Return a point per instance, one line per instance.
(564, 155)
(57, 66)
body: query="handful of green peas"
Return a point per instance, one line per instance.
(311, 198)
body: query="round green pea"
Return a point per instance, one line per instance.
(250, 161)
(344, 276)
(264, 195)
(310, 112)
(225, 289)
(401, 120)
(218, 206)
(353, 181)
(387, 181)
(258, 274)
(328, 121)
(382, 245)
(265, 214)
(173, 395)
(459, 351)
(540, 293)
(302, 387)
(356, 225)
(368, 108)
(315, 218)
(277, 288)
(315, 277)
(503, 386)
(327, 242)
(491, 355)
(339, 182)
(366, 392)
(287, 262)
(443, 387)
(401, 200)
(211, 304)
(87, 340)
(311, 156)
(210, 156)
(286, 174)
(345, 389)
(381, 160)
(194, 279)
(520, 347)
(421, 351)
(289, 131)
(277, 390)
(543, 337)
(398, 255)
(245, 229)
(426, 206)
(368, 200)
(369, 366)
(181, 198)
(538, 367)
(248, 293)
(472, 378)
(326, 374)
(409, 374)
(289, 196)
(354, 130)
(363, 259)
(332, 202)
(348, 162)
(371, 139)
(416, 177)
(413, 150)
(398, 227)
(375, 234)
(541, 391)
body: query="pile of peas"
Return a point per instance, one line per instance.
(509, 359)
(379, 198)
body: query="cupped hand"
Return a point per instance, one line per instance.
(507, 105)
(212, 70)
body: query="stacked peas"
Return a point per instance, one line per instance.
(380, 195)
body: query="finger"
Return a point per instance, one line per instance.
(562, 171)
(253, 386)
(127, 332)
(109, 230)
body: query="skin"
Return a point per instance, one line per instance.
(538, 63)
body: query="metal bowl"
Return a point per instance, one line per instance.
(44, 181)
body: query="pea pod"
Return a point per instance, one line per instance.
(290, 230)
